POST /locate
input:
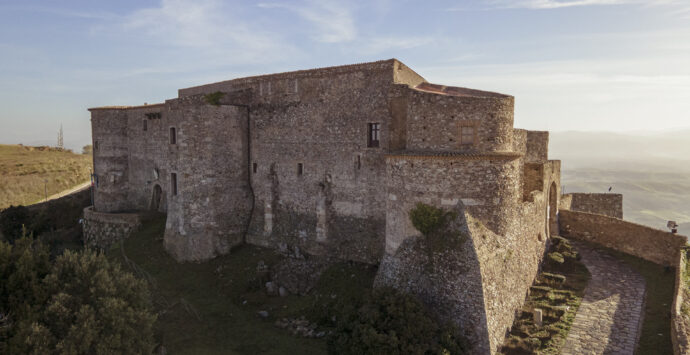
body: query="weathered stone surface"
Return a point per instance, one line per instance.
(607, 204)
(101, 230)
(647, 243)
(297, 276)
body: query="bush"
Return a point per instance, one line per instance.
(12, 221)
(393, 323)
(214, 98)
(435, 225)
(81, 304)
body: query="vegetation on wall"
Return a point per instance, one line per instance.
(435, 224)
(77, 304)
(214, 98)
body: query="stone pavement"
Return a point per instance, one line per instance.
(610, 317)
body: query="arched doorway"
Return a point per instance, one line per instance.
(156, 198)
(552, 211)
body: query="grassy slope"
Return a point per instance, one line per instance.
(202, 308)
(23, 171)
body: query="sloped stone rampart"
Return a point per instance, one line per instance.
(647, 243)
(101, 230)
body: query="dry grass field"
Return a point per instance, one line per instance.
(27, 173)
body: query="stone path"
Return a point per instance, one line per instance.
(610, 317)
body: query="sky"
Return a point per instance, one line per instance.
(587, 65)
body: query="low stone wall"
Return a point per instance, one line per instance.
(680, 322)
(647, 243)
(101, 230)
(607, 204)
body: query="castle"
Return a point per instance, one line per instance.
(330, 162)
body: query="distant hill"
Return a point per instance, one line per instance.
(27, 174)
(652, 171)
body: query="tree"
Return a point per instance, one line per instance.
(87, 149)
(394, 323)
(83, 305)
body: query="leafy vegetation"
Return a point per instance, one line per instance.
(393, 323)
(557, 292)
(214, 98)
(435, 224)
(29, 174)
(78, 304)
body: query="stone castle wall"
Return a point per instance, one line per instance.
(606, 204)
(680, 320)
(647, 243)
(101, 230)
(111, 160)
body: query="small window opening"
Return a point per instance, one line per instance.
(95, 145)
(254, 167)
(173, 183)
(173, 136)
(146, 125)
(300, 169)
(359, 161)
(374, 133)
(467, 135)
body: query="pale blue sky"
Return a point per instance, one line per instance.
(571, 64)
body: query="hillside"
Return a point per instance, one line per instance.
(28, 173)
(652, 171)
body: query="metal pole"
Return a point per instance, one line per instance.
(45, 189)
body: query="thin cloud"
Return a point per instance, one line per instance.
(558, 4)
(332, 20)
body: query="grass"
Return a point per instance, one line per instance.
(25, 170)
(211, 308)
(558, 292)
(656, 329)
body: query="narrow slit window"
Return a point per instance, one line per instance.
(254, 168)
(95, 145)
(374, 135)
(173, 183)
(467, 135)
(146, 125)
(173, 136)
(300, 169)
(359, 161)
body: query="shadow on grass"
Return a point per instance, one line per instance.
(211, 308)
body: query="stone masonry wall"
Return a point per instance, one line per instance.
(641, 241)
(110, 156)
(606, 204)
(101, 230)
(211, 210)
(680, 319)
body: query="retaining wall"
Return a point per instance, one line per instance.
(647, 243)
(101, 230)
(680, 322)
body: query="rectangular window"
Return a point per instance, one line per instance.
(373, 136)
(254, 168)
(300, 169)
(173, 183)
(95, 145)
(173, 136)
(467, 134)
(146, 125)
(359, 161)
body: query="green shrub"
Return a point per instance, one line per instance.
(214, 98)
(393, 323)
(556, 257)
(80, 304)
(12, 221)
(435, 225)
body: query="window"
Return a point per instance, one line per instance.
(146, 125)
(359, 161)
(254, 168)
(373, 137)
(95, 145)
(173, 136)
(300, 169)
(173, 183)
(467, 135)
